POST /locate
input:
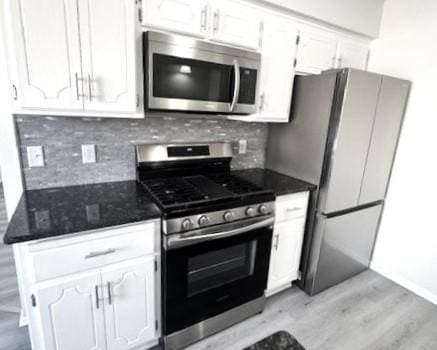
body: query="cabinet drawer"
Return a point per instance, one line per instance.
(84, 255)
(291, 206)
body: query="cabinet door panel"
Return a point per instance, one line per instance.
(286, 252)
(388, 121)
(277, 68)
(47, 53)
(352, 55)
(342, 185)
(108, 42)
(68, 314)
(185, 16)
(316, 52)
(130, 308)
(236, 24)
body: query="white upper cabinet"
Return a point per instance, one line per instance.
(76, 55)
(47, 54)
(235, 23)
(130, 304)
(107, 29)
(352, 54)
(184, 16)
(278, 51)
(316, 52)
(69, 314)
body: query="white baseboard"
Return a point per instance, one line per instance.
(405, 282)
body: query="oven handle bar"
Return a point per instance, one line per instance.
(182, 240)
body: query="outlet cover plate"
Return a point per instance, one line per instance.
(242, 146)
(88, 154)
(35, 156)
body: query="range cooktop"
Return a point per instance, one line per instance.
(193, 179)
(199, 190)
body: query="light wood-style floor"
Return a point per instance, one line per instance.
(366, 312)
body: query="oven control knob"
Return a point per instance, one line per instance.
(203, 220)
(262, 209)
(250, 211)
(186, 224)
(228, 215)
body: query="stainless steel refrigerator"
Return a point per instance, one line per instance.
(342, 136)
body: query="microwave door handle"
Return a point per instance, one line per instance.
(236, 85)
(178, 241)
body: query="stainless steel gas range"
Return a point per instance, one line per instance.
(217, 231)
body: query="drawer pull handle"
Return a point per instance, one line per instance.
(289, 210)
(103, 252)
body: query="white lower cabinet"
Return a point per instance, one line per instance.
(68, 314)
(287, 242)
(111, 301)
(129, 305)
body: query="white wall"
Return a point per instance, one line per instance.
(362, 16)
(9, 158)
(406, 248)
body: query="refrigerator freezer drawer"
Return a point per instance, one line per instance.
(346, 246)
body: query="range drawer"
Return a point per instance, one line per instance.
(54, 259)
(291, 206)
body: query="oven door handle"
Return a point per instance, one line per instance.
(182, 240)
(236, 85)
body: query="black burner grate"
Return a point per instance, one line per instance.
(235, 183)
(185, 191)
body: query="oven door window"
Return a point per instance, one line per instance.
(220, 267)
(206, 279)
(188, 79)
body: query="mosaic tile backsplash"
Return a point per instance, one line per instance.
(62, 138)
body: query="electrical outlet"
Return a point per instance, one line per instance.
(35, 156)
(88, 153)
(242, 146)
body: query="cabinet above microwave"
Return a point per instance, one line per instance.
(185, 74)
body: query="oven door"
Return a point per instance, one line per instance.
(204, 277)
(186, 78)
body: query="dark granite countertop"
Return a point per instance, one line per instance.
(66, 210)
(280, 184)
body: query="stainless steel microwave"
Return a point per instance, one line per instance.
(185, 74)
